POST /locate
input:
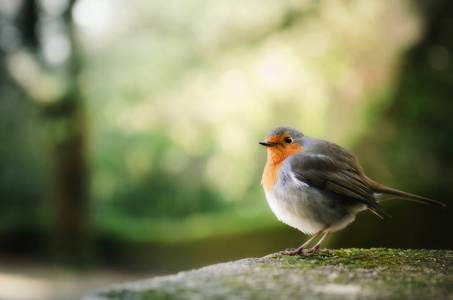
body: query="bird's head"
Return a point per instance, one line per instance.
(282, 142)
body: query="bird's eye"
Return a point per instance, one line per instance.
(288, 140)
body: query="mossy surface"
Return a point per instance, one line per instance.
(366, 258)
(342, 274)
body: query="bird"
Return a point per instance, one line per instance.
(317, 186)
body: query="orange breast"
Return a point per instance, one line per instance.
(275, 158)
(270, 175)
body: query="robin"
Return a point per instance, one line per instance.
(317, 186)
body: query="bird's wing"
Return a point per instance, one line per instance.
(335, 172)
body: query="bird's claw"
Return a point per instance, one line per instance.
(303, 252)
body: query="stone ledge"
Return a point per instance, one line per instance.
(342, 274)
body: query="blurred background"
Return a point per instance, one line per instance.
(129, 129)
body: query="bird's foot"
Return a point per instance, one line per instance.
(297, 251)
(290, 249)
(303, 252)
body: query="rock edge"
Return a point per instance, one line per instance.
(342, 274)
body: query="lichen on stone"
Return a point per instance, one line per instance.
(375, 273)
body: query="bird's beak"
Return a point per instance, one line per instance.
(267, 144)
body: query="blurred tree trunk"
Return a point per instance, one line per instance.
(69, 177)
(70, 172)
(66, 120)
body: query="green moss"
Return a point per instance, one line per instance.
(400, 273)
(360, 258)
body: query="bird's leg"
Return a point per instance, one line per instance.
(316, 247)
(300, 250)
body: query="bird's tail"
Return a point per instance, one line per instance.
(385, 193)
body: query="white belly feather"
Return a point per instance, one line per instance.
(305, 208)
